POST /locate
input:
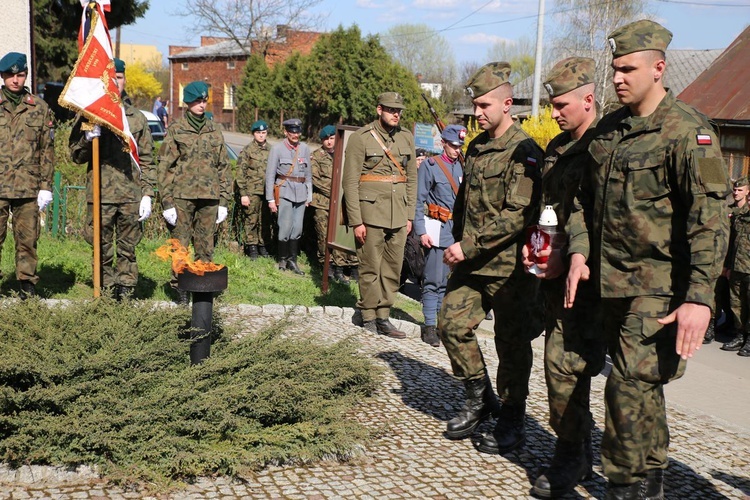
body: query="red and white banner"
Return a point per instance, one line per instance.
(91, 89)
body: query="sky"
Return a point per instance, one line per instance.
(470, 26)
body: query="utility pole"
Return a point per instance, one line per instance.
(538, 61)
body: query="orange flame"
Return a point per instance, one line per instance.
(181, 259)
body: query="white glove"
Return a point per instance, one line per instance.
(96, 132)
(170, 215)
(43, 199)
(222, 215)
(145, 209)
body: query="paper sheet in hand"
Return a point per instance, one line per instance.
(432, 226)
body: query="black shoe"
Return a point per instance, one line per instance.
(357, 319)
(509, 432)
(371, 326)
(430, 335)
(654, 484)
(27, 289)
(251, 251)
(735, 344)
(745, 351)
(183, 297)
(710, 332)
(339, 276)
(569, 466)
(123, 292)
(481, 403)
(262, 251)
(385, 327)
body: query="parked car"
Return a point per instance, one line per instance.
(157, 129)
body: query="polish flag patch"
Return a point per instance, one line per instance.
(703, 139)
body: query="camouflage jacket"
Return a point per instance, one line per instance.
(497, 200)
(193, 165)
(251, 169)
(27, 150)
(322, 173)
(738, 255)
(121, 181)
(660, 225)
(380, 204)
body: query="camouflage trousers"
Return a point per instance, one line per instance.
(380, 260)
(120, 230)
(739, 299)
(257, 221)
(574, 352)
(25, 232)
(636, 436)
(338, 257)
(518, 320)
(196, 222)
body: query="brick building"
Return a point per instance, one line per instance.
(220, 62)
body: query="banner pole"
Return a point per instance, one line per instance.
(97, 213)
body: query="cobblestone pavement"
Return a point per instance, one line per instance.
(410, 458)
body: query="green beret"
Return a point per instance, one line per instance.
(327, 132)
(488, 77)
(569, 74)
(13, 62)
(638, 36)
(741, 182)
(194, 91)
(119, 65)
(391, 100)
(259, 126)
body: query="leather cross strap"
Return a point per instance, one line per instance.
(447, 173)
(388, 152)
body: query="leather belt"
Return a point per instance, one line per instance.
(440, 213)
(290, 178)
(393, 179)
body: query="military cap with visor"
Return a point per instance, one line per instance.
(638, 36)
(293, 125)
(194, 91)
(391, 100)
(327, 132)
(454, 134)
(569, 74)
(488, 77)
(119, 65)
(741, 182)
(258, 126)
(13, 63)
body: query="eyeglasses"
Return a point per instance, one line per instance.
(393, 111)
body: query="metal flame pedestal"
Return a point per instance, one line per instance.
(203, 288)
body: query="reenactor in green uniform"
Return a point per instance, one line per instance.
(574, 348)
(126, 192)
(251, 183)
(737, 265)
(380, 192)
(26, 166)
(660, 230)
(322, 172)
(497, 200)
(195, 178)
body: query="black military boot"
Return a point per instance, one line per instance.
(481, 402)
(710, 332)
(251, 251)
(27, 289)
(183, 297)
(509, 432)
(654, 484)
(430, 335)
(745, 351)
(635, 491)
(262, 251)
(736, 343)
(570, 465)
(354, 273)
(291, 262)
(283, 254)
(123, 292)
(339, 276)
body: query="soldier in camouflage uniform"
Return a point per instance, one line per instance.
(251, 180)
(737, 266)
(497, 200)
(574, 348)
(380, 193)
(660, 231)
(27, 166)
(322, 172)
(195, 178)
(126, 192)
